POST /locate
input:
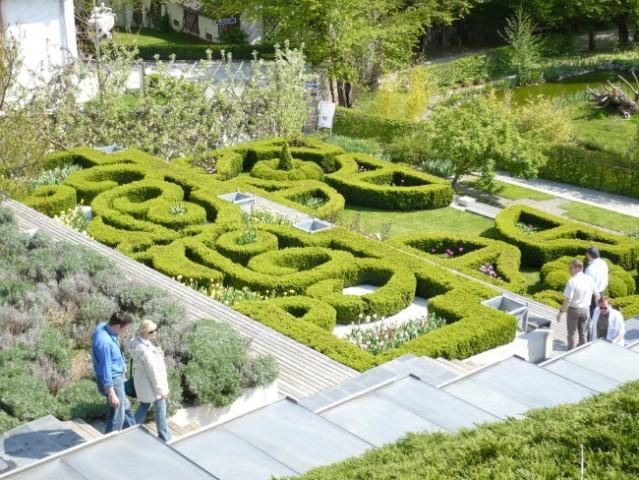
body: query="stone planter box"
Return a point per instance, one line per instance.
(110, 149)
(244, 200)
(205, 415)
(313, 225)
(511, 307)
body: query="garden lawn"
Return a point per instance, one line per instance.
(601, 217)
(602, 129)
(514, 192)
(439, 220)
(148, 38)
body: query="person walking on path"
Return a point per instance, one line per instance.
(578, 292)
(149, 376)
(608, 323)
(110, 368)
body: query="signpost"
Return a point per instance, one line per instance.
(326, 113)
(227, 21)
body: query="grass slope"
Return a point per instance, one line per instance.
(544, 445)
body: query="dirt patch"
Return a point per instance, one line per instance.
(81, 366)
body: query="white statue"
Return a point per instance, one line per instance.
(101, 21)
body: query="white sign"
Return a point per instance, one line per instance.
(326, 113)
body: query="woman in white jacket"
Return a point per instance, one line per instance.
(607, 323)
(149, 376)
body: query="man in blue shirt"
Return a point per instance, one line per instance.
(110, 367)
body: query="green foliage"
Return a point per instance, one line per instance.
(285, 160)
(481, 134)
(7, 422)
(472, 253)
(351, 123)
(82, 400)
(218, 366)
(545, 443)
(599, 170)
(413, 149)
(299, 170)
(53, 176)
(53, 345)
(52, 200)
(365, 180)
(38, 403)
(525, 46)
(420, 89)
(556, 237)
(389, 335)
(354, 145)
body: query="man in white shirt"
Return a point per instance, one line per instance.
(578, 292)
(598, 270)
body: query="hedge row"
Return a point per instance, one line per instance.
(603, 171)
(351, 123)
(469, 254)
(558, 237)
(365, 180)
(132, 194)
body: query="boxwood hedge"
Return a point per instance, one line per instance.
(557, 237)
(131, 195)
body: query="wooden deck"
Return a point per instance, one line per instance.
(303, 371)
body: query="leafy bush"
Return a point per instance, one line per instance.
(260, 370)
(7, 422)
(54, 176)
(38, 403)
(413, 149)
(218, 365)
(53, 345)
(354, 145)
(82, 400)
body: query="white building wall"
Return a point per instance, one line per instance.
(46, 31)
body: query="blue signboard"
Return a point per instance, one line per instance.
(227, 21)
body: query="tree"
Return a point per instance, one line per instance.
(172, 116)
(351, 40)
(286, 159)
(525, 46)
(484, 134)
(21, 121)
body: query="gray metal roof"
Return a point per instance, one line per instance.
(132, 453)
(512, 387)
(35, 440)
(289, 438)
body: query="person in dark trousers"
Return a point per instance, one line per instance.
(579, 289)
(110, 368)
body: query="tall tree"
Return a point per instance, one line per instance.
(352, 40)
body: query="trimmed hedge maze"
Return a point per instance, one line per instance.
(169, 216)
(555, 237)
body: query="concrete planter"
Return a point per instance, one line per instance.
(313, 225)
(511, 307)
(253, 399)
(244, 200)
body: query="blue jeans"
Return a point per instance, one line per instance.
(160, 417)
(122, 416)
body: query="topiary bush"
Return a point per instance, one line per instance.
(218, 365)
